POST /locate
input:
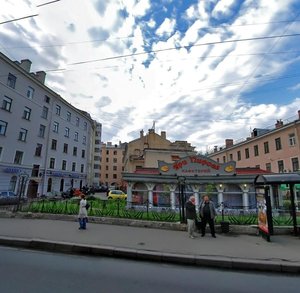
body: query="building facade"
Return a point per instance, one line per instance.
(96, 176)
(45, 142)
(147, 150)
(276, 150)
(112, 164)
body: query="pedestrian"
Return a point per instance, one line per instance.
(82, 215)
(207, 214)
(191, 216)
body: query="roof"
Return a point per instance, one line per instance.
(277, 178)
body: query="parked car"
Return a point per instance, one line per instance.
(8, 197)
(101, 188)
(70, 192)
(116, 194)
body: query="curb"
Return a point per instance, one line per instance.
(148, 255)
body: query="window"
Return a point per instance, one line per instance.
(278, 144)
(57, 109)
(292, 139)
(47, 99)
(76, 136)
(77, 121)
(67, 132)
(230, 157)
(85, 125)
(83, 154)
(53, 144)
(247, 155)
(256, 153)
(295, 164)
(45, 112)
(239, 155)
(42, 130)
(23, 134)
(64, 165)
(107, 160)
(106, 168)
(6, 104)
(38, 150)
(115, 153)
(84, 140)
(65, 150)
(11, 80)
(115, 160)
(107, 152)
(106, 176)
(27, 113)
(82, 168)
(35, 170)
(280, 166)
(68, 116)
(18, 158)
(52, 163)
(114, 176)
(30, 92)
(115, 168)
(74, 151)
(1, 150)
(268, 167)
(3, 127)
(266, 147)
(55, 127)
(73, 166)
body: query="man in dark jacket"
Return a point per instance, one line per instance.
(191, 216)
(207, 214)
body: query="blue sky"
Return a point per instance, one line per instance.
(184, 64)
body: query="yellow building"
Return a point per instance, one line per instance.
(148, 149)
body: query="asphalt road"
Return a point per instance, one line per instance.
(34, 271)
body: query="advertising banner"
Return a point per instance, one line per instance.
(262, 210)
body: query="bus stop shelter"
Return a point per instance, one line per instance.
(291, 179)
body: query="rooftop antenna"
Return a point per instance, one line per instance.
(153, 125)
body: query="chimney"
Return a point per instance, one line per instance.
(41, 76)
(25, 64)
(141, 133)
(215, 148)
(163, 134)
(228, 143)
(151, 130)
(278, 124)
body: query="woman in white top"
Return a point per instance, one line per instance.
(82, 215)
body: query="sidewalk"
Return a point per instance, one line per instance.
(246, 252)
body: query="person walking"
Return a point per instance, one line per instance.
(191, 216)
(82, 215)
(207, 214)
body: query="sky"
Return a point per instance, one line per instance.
(201, 70)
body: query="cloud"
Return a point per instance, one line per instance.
(101, 7)
(71, 27)
(102, 102)
(98, 33)
(295, 87)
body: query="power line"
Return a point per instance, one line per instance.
(47, 3)
(16, 19)
(185, 47)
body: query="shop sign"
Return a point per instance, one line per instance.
(12, 170)
(196, 165)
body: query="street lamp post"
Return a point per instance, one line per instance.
(181, 185)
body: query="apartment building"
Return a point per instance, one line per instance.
(147, 150)
(275, 150)
(112, 164)
(45, 142)
(96, 176)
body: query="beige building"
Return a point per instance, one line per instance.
(147, 150)
(276, 150)
(112, 166)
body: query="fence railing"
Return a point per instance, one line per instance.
(142, 211)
